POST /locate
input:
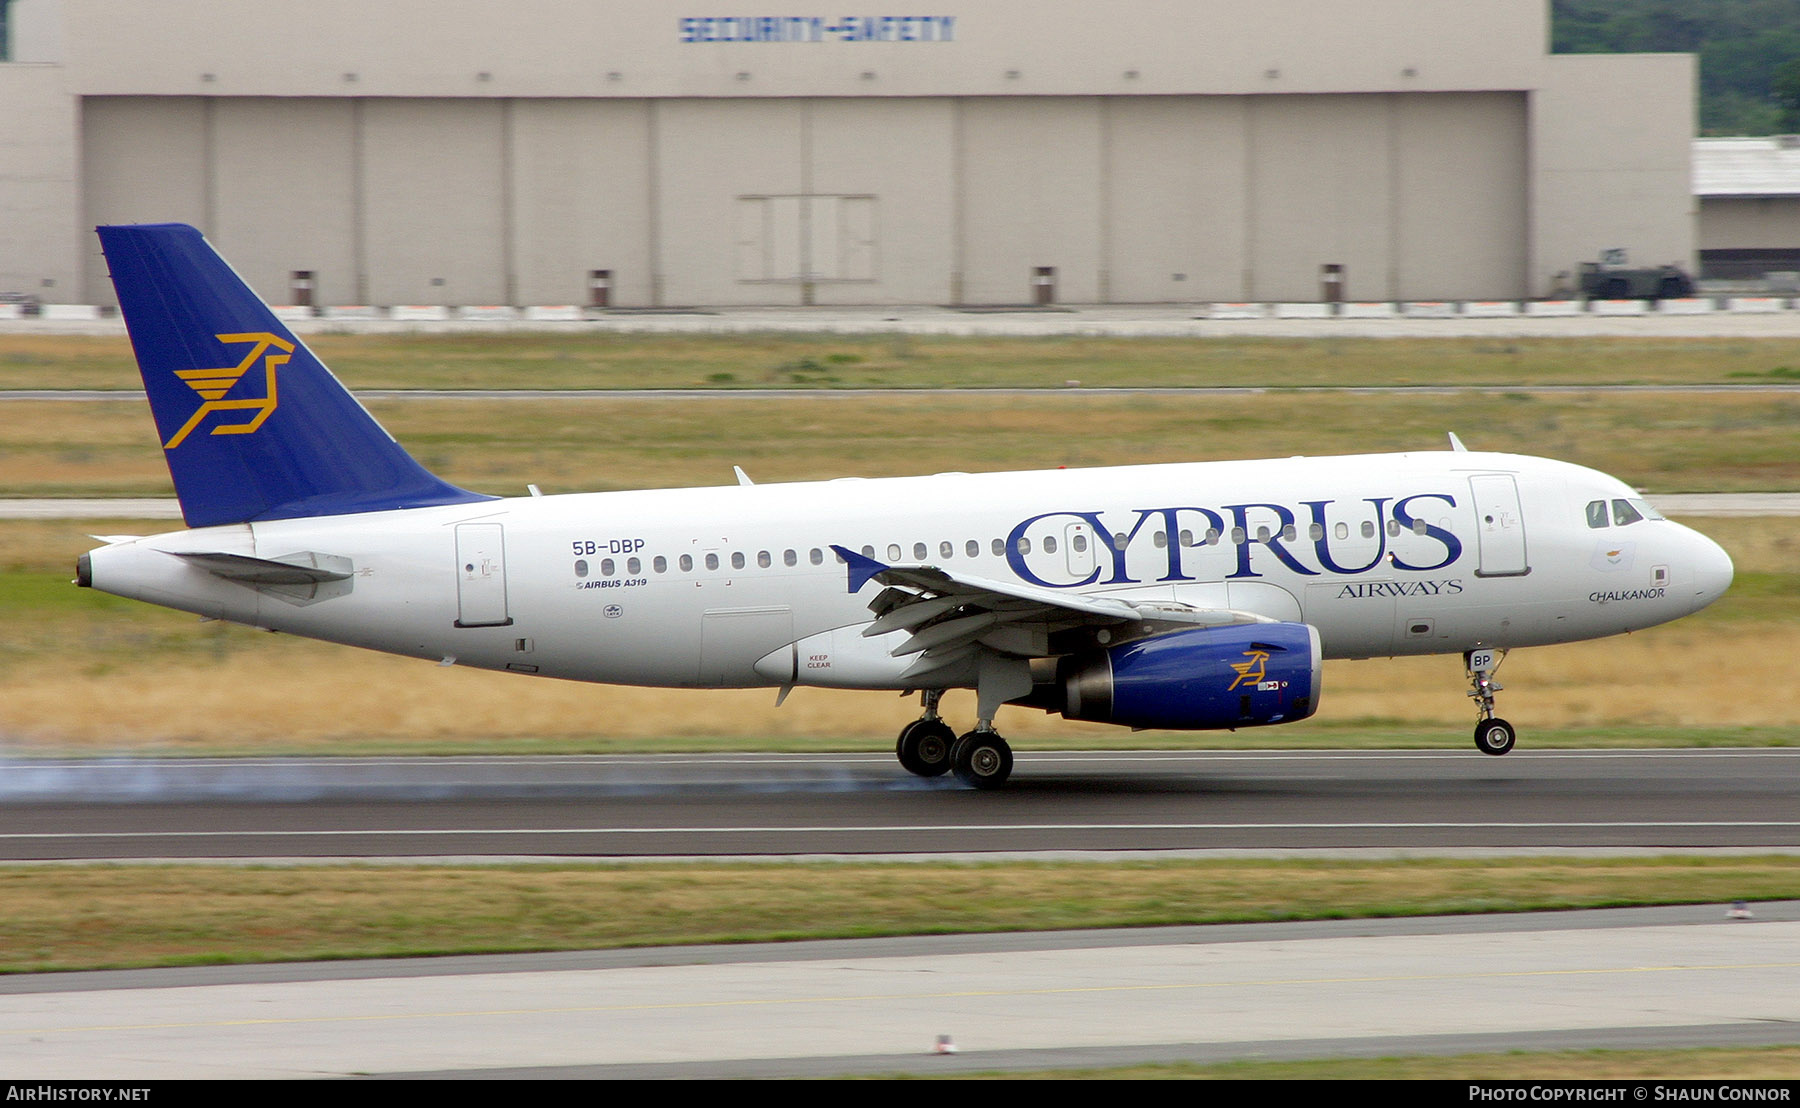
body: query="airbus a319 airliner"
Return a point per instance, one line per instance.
(1182, 596)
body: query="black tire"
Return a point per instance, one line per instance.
(1494, 736)
(924, 747)
(982, 760)
(1672, 288)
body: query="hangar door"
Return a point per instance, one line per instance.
(806, 238)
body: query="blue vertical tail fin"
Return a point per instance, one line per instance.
(253, 426)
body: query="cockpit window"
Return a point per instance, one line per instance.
(1624, 513)
(1644, 509)
(1596, 513)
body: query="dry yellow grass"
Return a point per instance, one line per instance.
(94, 680)
(274, 693)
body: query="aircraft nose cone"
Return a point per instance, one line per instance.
(1712, 570)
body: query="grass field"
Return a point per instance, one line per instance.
(1704, 442)
(64, 917)
(600, 360)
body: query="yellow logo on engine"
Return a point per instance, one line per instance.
(1252, 669)
(214, 384)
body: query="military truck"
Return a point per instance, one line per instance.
(1613, 278)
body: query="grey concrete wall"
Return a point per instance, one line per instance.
(1750, 223)
(39, 183)
(1151, 150)
(1612, 155)
(645, 48)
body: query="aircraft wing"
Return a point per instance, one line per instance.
(949, 615)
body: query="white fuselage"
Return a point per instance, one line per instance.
(1420, 553)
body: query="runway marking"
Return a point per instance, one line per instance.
(22, 836)
(882, 759)
(898, 997)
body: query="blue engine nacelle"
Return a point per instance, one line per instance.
(1204, 679)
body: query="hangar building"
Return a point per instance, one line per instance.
(961, 152)
(1749, 194)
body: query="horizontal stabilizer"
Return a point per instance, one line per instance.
(292, 569)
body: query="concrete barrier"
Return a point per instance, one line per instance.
(1428, 309)
(553, 313)
(12, 311)
(1687, 305)
(487, 312)
(1366, 310)
(1237, 311)
(1490, 309)
(1738, 304)
(353, 311)
(429, 313)
(289, 313)
(1303, 310)
(1553, 307)
(1619, 307)
(69, 311)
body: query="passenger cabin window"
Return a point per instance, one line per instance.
(1596, 513)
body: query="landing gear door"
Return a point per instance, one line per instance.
(1499, 526)
(481, 576)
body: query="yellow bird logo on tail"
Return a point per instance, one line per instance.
(214, 384)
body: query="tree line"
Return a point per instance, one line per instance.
(1749, 52)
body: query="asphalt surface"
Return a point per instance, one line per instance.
(1643, 979)
(776, 805)
(1638, 978)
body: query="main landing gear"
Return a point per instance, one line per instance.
(1493, 735)
(927, 746)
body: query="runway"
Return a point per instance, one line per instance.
(1650, 978)
(794, 805)
(1646, 978)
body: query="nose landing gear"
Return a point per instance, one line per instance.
(1493, 735)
